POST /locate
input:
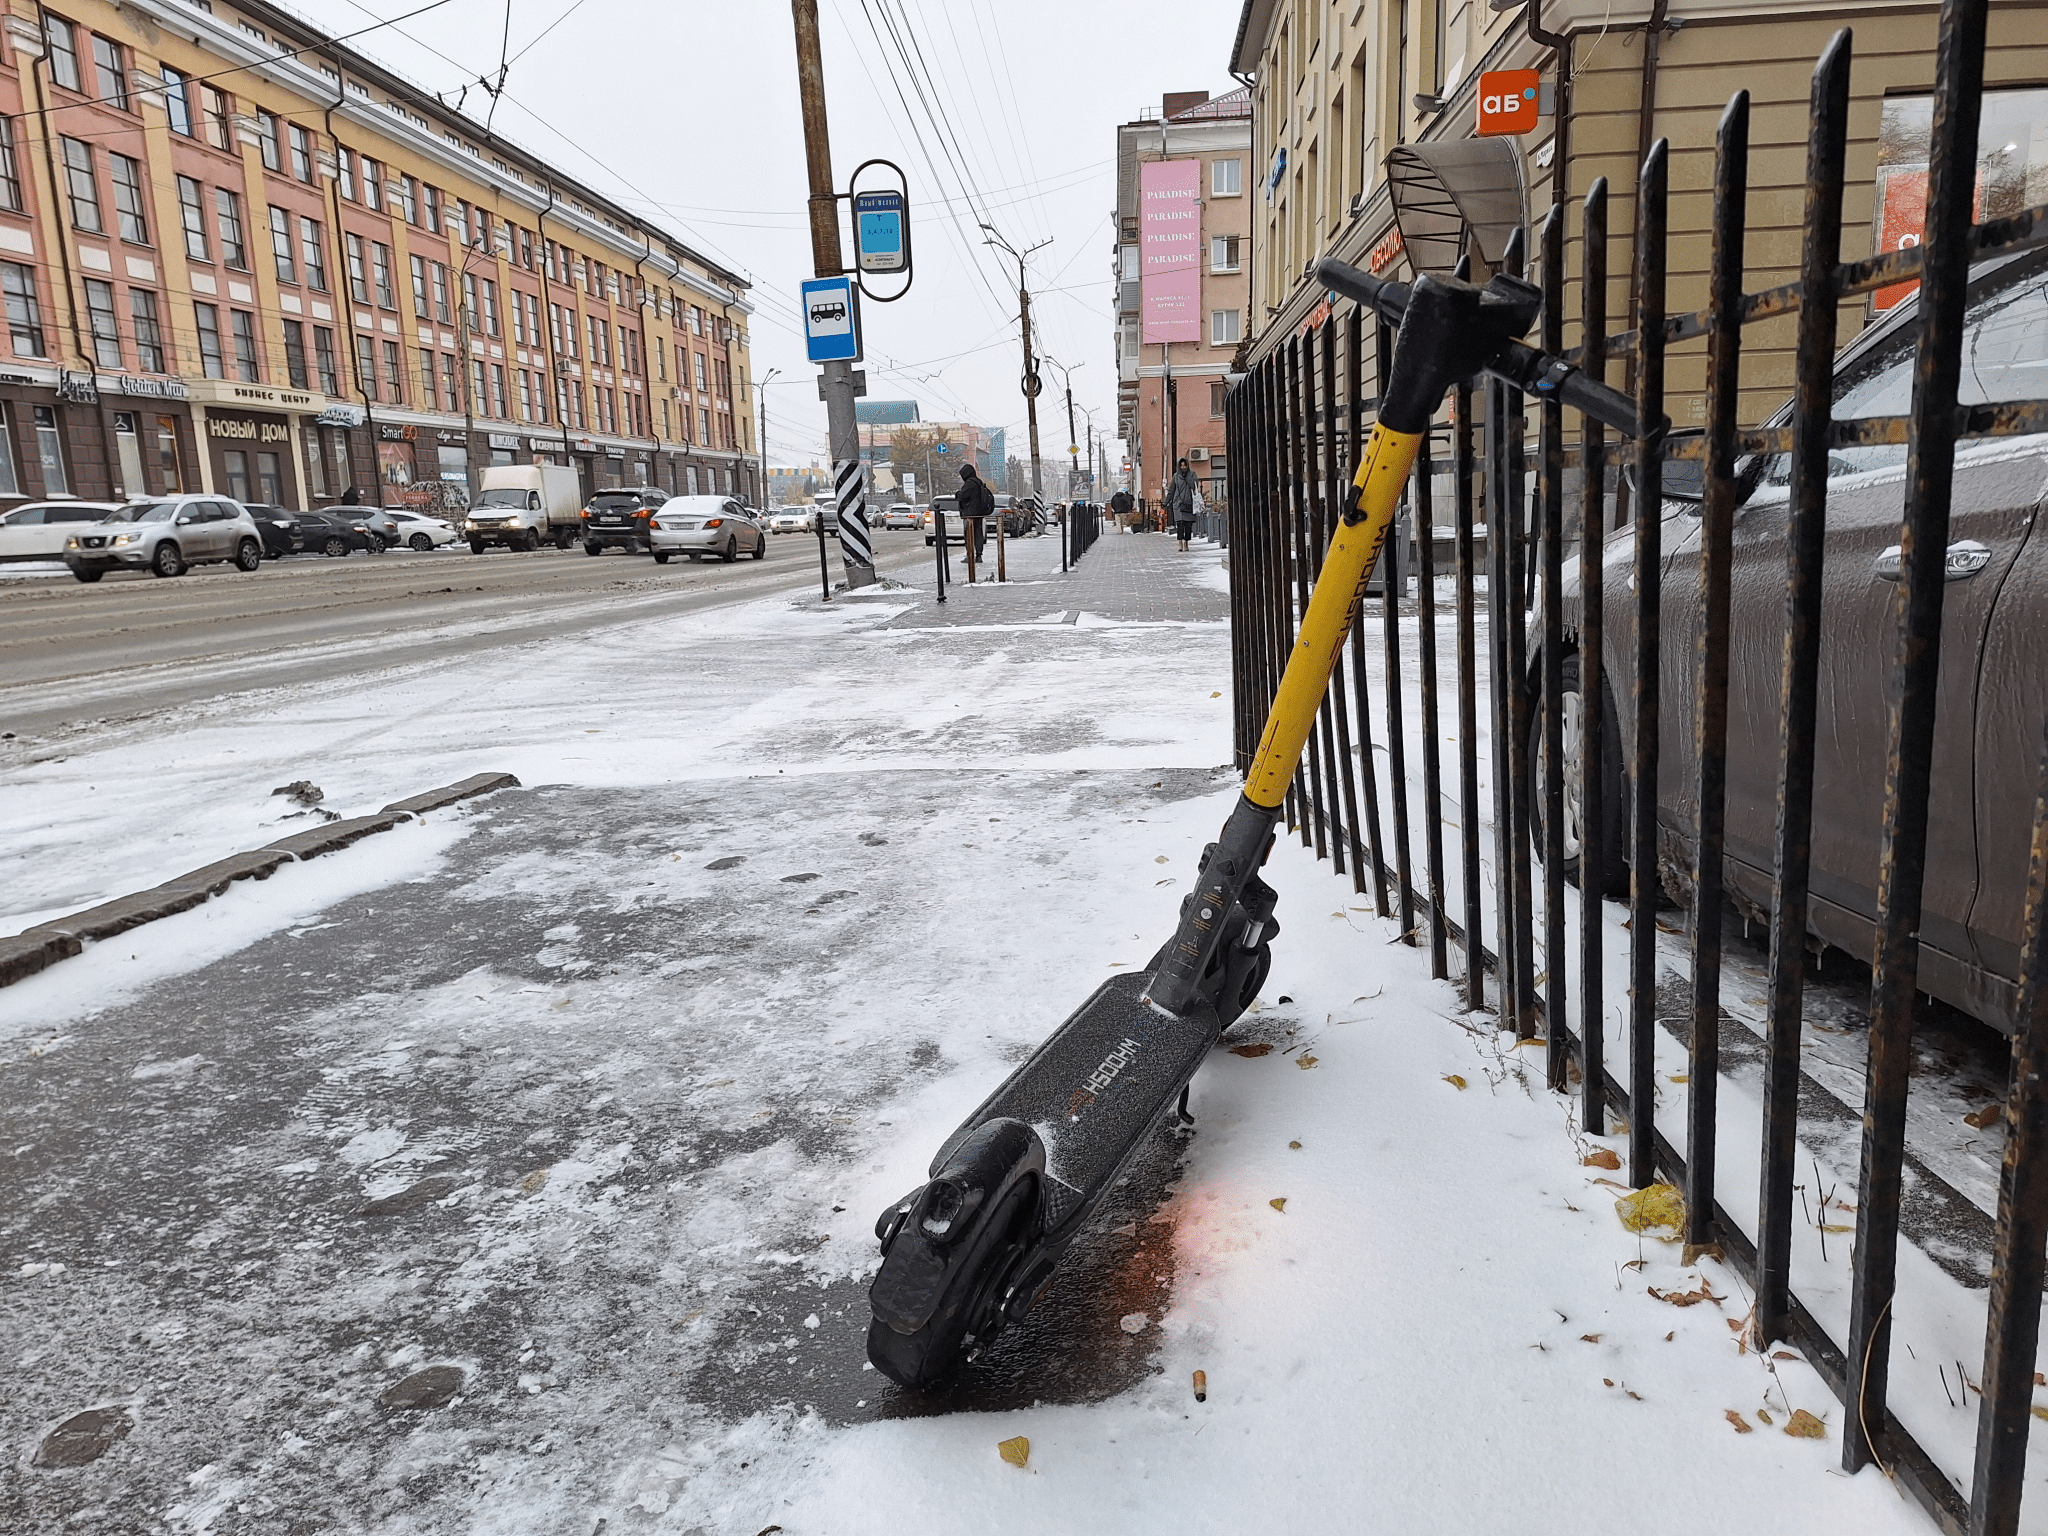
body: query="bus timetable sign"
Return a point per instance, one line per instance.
(881, 233)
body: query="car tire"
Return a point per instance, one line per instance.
(248, 555)
(88, 575)
(167, 561)
(592, 547)
(761, 548)
(477, 546)
(1614, 790)
(563, 542)
(421, 542)
(335, 547)
(660, 557)
(374, 545)
(732, 551)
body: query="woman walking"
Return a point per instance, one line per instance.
(1180, 503)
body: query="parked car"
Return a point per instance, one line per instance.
(792, 520)
(1993, 689)
(166, 536)
(956, 525)
(279, 528)
(899, 514)
(705, 525)
(38, 530)
(421, 531)
(333, 534)
(382, 521)
(619, 518)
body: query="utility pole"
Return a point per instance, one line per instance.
(836, 387)
(1030, 368)
(761, 384)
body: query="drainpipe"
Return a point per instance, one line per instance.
(561, 415)
(344, 299)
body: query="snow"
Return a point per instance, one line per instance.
(672, 1097)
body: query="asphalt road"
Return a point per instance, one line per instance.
(70, 653)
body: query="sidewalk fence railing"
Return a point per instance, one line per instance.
(1295, 426)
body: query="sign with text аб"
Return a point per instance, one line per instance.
(831, 320)
(881, 232)
(1170, 250)
(1508, 101)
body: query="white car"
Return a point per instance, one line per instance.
(900, 514)
(791, 520)
(418, 531)
(166, 536)
(38, 530)
(705, 525)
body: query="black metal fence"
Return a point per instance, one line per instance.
(1374, 799)
(1083, 527)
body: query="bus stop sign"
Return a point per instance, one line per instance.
(881, 231)
(831, 320)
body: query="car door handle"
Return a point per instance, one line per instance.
(1966, 557)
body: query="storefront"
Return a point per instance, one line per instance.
(154, 450)
(249, 439)
(398, 466)
(328, 441)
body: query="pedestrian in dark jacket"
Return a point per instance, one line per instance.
(351, 497)
(1180, 503)
(977, 504)
(1120, 508)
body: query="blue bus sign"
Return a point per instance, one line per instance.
(881, 232)
(831, 320)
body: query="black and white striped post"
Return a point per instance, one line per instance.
(856, 543)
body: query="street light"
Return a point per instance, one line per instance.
(761, 385)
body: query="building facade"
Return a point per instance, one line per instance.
(238, 257)
(1183, 281)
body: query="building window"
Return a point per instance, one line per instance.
(373, 185)
(324, 362)
(129, 205)
(105, 327)
(408, 199)
(441, 311)
(63, 40)
(192, 214)
(107, 58)
(394, 370)
(295, 354)
(1226, 178)
(1219, 396)
(269, 140)
(213, 116)
(469, 301)
(477, 400)
(313, 254)
(177, 103)
(1226, 327)
(50, 449)
(451, 388)
(243, 324)
(24, 315)
(380, 261)
(10, 170)
(281, 245)
(80, 188)
(1223, 253)
(233, 251)
(210, 363)
(167, 463)
(490, 296)
(704, 427)
(498, 405)
(426, 376)
(236, 462)
(358, 279)
(345, 160)
(430, 207)
(302, 153)
(366, 365)
(419, 287)
(149, 336)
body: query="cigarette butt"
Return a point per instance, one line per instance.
(1201, 1386)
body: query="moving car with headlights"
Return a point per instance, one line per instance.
(524, 506)
(899, 514)
(38, 531)
(791, 520)
(421, 531)
(705, 525)
(618, 519)
(166, 536)
(332, 533)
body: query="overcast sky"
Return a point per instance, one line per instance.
(686, 111)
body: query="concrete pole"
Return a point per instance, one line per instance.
(856, 548)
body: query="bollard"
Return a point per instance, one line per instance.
(939, 548)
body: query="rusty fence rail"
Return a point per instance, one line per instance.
(1515, 519)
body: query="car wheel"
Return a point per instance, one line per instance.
(564, 542)
(84, 575)
(661, 557)
(336, 545)
(477, 546)
(532, 541)
(248, 555)
(421, 542)
(592, 547)
(373, 545)
(760, 547)
(732, 551)
(167, 561)
(1614, 791)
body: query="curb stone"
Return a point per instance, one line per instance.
(24, 954)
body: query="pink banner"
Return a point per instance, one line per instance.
(1170, 250)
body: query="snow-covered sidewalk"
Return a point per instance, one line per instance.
(591, 1093)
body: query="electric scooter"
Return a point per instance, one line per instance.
(969, 1253)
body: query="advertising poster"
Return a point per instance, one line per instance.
(1170, 250)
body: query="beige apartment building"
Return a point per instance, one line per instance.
(1184, 218)
(237, 256)
(1365, 116)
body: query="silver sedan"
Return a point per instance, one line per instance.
(705, 525)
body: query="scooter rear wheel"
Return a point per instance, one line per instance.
(934, 1353)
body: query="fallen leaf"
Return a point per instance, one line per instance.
(1606, 1381)
(1611, 1183)
(2040, 1380)
(1217, 695)
(1684, 1298)
(1804, 1426)
(2040, 1412)
(1783, 1354)
(1589, 1338)
(1305, 1062)
(1600, 1157)
(1015, 1451)
(1765, 1415)
(1831, 1227)
(1647, 1210)
(1990, 1114)
(1455, 1081)
(1681, 1077)
(1737, 1324)
(1279, 1205)
(1636, 1395)
(1256, 1049)
(1160, 860)
(1670, 1336)
(1294, 1146)
(1741, 1424)
(532, 1183)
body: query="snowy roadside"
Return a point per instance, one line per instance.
(593, 1093)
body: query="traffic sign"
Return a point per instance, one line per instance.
(945, 448)
(831, 309)
(881, 231)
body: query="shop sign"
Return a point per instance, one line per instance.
(76, 387)
(584, 444)
(458, 439)
(1386, 253)
(162, 389)
(244, 429)
(340, 416)
(503, 440)
(406, 434)
(15, 378)
(1507, 101)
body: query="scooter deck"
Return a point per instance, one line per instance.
(1094, 1089)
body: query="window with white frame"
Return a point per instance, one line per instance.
(1226, 327)
(1223, 253)
(1226, 178)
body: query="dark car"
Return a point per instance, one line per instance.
(1993, 695)
(331, 534)
(618, 518)
(279, 528)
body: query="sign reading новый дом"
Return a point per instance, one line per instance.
(1170, 250)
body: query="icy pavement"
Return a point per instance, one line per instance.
(515, 1172)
